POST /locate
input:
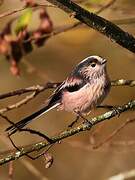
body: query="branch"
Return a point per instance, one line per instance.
(60, 29)
(66, 28)
(83, 127)
(124, 175)
(37, 88)
(12, 12)
(26, 163)
(123, 82)
(10, 171)
(20, 103)
(114, 133)
(98, 23)
(51, 85)
(124, 21)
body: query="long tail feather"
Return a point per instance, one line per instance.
(12, 129)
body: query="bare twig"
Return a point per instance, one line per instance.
(124, 175)
(37, 88)
(27, 164)
(49, 85)
(124, 21)
(19, 104)
(10, 171)
(106, 6)
(123, 82)
(28, 98)
(60, 29)
(17, 148)
(12, 12)
(7, 119)
(32, 131)
(33, 170)
(83, 127)
(71, 26)
(98, 23)
(114, 133)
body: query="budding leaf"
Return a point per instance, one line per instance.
(23, 20)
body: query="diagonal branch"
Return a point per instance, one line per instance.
(83, 127)
(98, 23)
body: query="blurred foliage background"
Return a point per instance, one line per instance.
(74, 157)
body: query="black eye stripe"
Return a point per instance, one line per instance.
(93, 61)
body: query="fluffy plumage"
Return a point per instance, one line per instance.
(84, 89)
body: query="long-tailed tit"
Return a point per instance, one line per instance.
(85, 88)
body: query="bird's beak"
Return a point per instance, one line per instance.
(104, 61)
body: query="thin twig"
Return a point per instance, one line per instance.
(10, 170)
(49, 85)
(100, 24)
(32, 131)
(17, 148)
(37, 88)
(66, 28)
(114, 133)
(12, 12)
(123, 82)
(124, 21)
(27, 164)
(106, 6)
(19, 104)
(37, 133)
(28, 98)
(83, 127)
(124, 175)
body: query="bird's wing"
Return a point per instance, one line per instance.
(71, 84)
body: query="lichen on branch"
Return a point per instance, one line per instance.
(83, 127)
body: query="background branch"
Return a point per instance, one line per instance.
(116, 131)
(37, 88)
(40, 88)
(124, 175)
(12, 12)
(83, 127)
(98, 23)
(51, 85)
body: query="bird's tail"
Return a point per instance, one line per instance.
(12, 129)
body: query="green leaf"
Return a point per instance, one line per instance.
(23, 20)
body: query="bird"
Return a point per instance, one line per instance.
(85, 88)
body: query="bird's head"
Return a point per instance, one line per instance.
(91, 67)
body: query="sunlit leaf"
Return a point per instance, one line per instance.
(23, 20)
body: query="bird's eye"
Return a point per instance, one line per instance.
(93, 64)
